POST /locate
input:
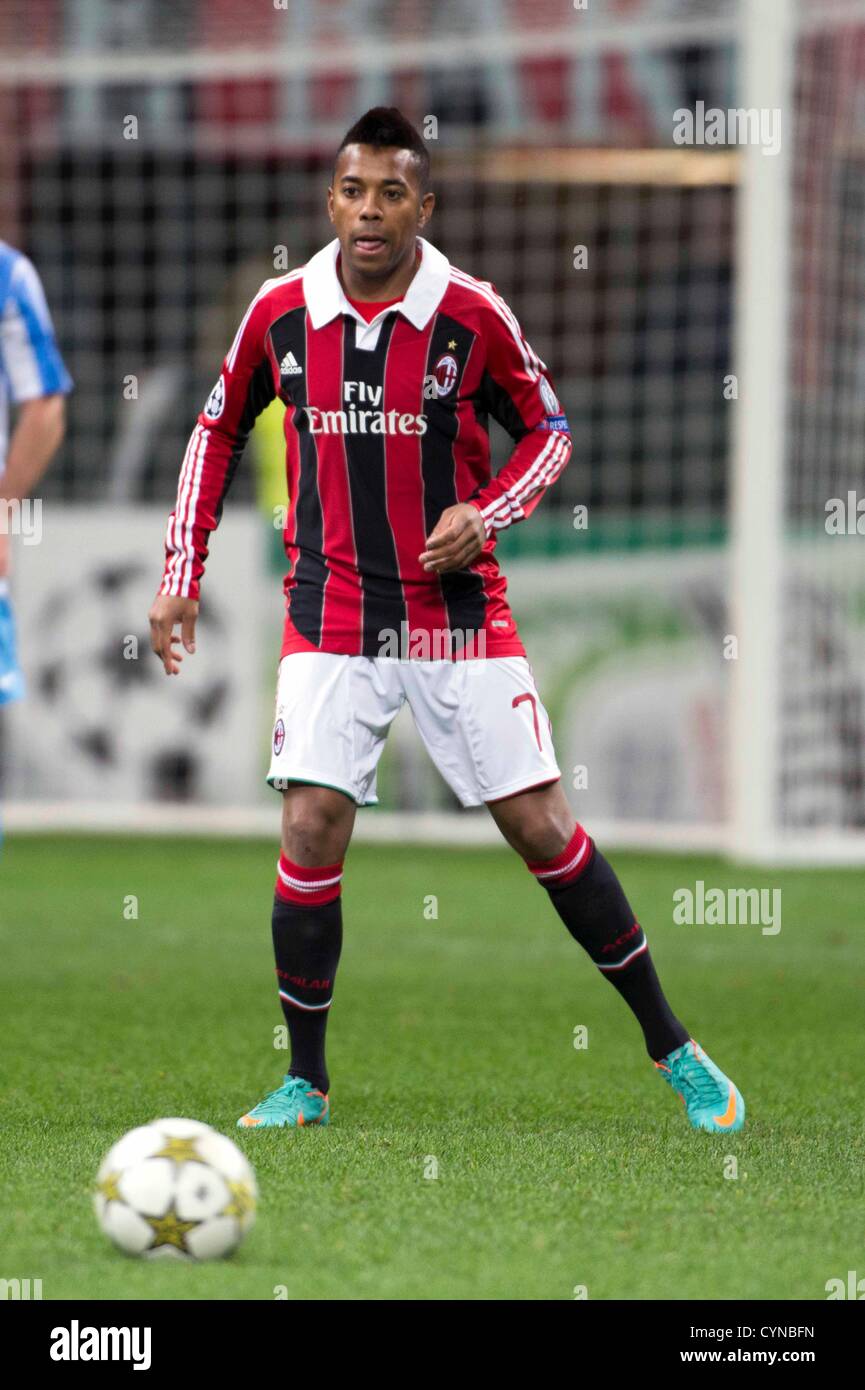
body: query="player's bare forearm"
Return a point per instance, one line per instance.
(167, 611)
(456, 539)
(36, 438)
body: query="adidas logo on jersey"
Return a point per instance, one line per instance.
(289, 366)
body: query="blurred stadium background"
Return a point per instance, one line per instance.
(701, 309)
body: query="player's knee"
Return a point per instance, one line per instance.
(316, 824)
(547, 837)
(538, 823)
(545, 826)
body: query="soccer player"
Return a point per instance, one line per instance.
(390, 362)
(33, 377)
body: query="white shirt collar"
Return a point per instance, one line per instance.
(325, 297)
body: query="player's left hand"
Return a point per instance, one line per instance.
(458, 537)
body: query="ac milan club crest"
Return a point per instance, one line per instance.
(446, 371)
(278, 737)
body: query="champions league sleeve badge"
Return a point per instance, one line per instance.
(215, 403)
(555, 416)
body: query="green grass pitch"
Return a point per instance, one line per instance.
(451, 1045)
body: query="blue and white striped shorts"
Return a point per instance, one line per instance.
(11, 680)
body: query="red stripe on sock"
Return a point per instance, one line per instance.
(307, 886)
(567, 866)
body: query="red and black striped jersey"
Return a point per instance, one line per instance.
(386, 426)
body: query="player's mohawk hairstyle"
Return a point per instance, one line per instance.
(386, 127)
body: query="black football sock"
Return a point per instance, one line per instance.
(588, 897)
(307, 940)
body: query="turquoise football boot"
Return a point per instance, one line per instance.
(711, 1100)
(295, 1103)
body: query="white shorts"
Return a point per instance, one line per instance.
(482, 723)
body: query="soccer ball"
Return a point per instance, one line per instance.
(175, 1188)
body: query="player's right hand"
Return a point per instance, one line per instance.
(166, 612)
